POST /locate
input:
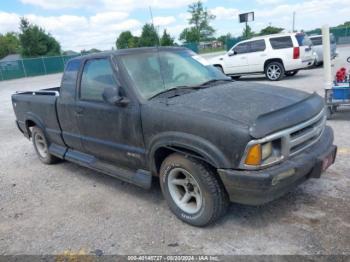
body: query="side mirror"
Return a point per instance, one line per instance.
(232, 53)
(112, 96)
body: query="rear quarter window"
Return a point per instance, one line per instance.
(281, 42)
(69, 78)
(303, 40)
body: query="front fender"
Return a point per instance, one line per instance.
(178, 140)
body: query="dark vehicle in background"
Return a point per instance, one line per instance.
(317, 47)
(165, 112)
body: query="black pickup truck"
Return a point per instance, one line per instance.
(138, 113)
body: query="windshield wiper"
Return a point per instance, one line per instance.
(202, 85)
(174, 89)
(213, 81)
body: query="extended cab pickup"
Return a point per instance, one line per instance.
(166, 112)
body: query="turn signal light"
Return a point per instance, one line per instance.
(254, 156)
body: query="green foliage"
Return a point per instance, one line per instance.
(166, 39)
(189, 35)
(346, 24)
(9, 44)
(124, 39)
(247, 32)
(269, 30)
(200, 29)
(149, 36)
(223, 38)
(36, 42)
(91, 51)
(134, 42)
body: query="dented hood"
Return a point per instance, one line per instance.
(264, 109)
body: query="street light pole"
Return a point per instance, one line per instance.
(293, 28)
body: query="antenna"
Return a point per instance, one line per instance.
(150, 11)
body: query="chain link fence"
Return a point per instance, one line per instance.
(32, 67)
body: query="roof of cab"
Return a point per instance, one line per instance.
(131, 51)
(272, 35)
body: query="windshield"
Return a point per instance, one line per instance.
(153, 72)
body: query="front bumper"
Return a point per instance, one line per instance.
(262, 186)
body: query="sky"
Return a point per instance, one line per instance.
(86, 24)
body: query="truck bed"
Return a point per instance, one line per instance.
(40, 107)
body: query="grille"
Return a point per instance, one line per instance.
(306, 136)
(292, 140)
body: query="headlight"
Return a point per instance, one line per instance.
(266, 150)
(261, 154)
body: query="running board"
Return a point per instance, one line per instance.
(141, 178)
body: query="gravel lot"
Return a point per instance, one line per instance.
(68, 208)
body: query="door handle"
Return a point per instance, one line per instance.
(243, 57)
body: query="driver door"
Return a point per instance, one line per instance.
(236, 60)
(108, 132)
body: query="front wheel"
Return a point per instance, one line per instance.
(192, 190)
(291, 73)
(274, 71)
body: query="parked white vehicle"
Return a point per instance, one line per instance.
(317, 46)
(274, 55)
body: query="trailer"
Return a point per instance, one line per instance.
(337, 96)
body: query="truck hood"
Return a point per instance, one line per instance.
(263, 109)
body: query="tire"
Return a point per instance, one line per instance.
(205, 197)
(291, 73)
(41, 147)
(329, 113)
(274, 71)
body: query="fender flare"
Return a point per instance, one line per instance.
(34, 118)
(176, 141)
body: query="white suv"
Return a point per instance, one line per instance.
(274, 55)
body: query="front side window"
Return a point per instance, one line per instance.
(281, 42)
(153, 72)
(257, 46)
(97, 75)
(242, 48)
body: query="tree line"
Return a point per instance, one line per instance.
(31, 41)
(199, 30)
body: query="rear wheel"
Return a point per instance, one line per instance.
(274, 71)
(41, 147)
(192, 190)
(291, 73)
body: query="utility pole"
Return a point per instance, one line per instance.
(293, 28)
(150, 11)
